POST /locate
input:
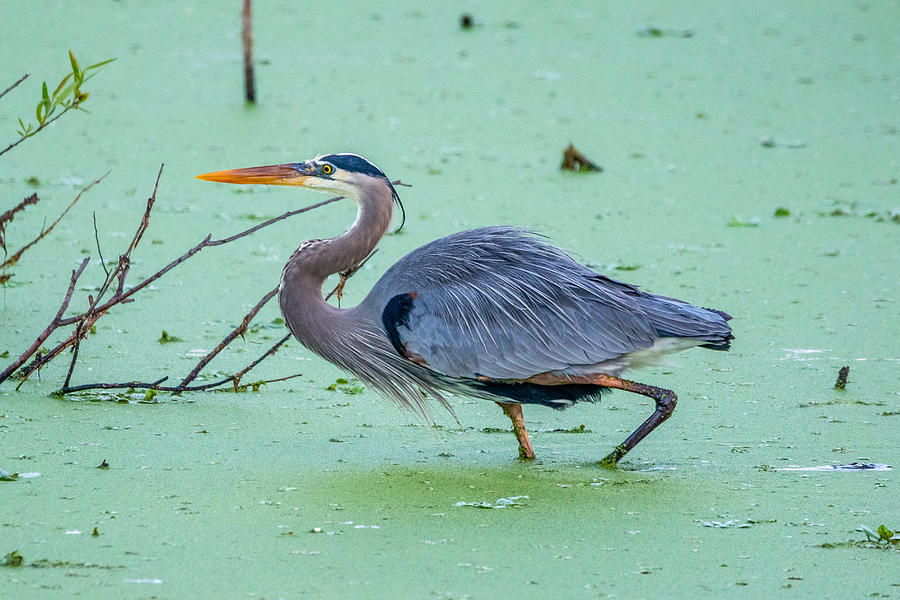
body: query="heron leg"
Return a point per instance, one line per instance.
(665, 404)
(514, 412)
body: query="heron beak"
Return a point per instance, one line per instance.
(288, 174)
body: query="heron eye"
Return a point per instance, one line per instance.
(327, 169)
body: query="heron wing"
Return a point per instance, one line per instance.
(499, 302)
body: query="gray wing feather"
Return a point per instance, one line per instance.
(501, 303)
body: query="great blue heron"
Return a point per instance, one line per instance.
(494, 313)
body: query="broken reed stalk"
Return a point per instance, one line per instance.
(97, 308)
(247, 36)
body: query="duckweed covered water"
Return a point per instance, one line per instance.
(749, 166)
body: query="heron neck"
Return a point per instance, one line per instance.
(351, 247)
(346, 250)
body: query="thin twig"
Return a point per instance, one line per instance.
(51, 327)
(7, 217)
(74, 355)
(21, 79)
(42, 359)
(290, 213)
(238, 331)
(97, 240)
(237, 376)
(46, 231)
(42, 126)
(157, 385)
(118, 298)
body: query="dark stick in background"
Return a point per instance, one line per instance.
(247, 20)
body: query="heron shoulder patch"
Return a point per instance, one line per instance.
(396, 313)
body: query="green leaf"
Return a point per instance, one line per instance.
(61, 84)
(24, 128)
(68, 91)
(74, 62)
(44, 93)
(100, 64)
(884, 533)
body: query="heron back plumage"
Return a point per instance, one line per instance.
(499, 303)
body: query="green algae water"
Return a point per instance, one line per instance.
(750, 164)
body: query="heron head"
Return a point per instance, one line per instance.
(345, 174)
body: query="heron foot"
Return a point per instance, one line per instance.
(611, 460)
(345, 275)
(514, 412)
(665, 404)
(339, 290)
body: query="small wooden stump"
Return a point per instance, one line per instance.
(841, 382)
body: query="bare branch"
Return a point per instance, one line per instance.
(50, 328)
(74, 355)
(237, 376)
(157, 385)
(238, 331)
(42, 359)
(44, 232)
(290, 213)
(9, 215)
(9, 89)
(86, 320)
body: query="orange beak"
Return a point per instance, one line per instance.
(287, 174)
